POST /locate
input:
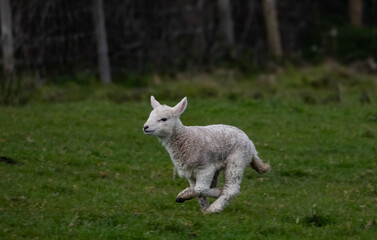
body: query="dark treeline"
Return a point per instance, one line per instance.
(59, 35)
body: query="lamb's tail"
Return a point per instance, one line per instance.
(259, 166)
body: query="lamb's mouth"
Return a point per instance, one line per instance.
(148, 131)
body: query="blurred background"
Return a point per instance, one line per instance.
(203, 48)
(297, 76)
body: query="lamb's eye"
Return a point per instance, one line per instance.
(163, 119)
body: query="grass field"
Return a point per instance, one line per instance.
(86, 171)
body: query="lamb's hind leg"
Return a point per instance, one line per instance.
(233, 177)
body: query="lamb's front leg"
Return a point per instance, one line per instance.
(203, 202)
(189, 193)
(203, 186)
(186, 194)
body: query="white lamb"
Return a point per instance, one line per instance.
(200, 153)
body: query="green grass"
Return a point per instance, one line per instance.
(86, 171)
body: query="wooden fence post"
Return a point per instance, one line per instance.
(225, 9)
(102, 48)
(7, 36)
(272, 27)
(356, 12)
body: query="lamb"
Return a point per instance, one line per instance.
(200, 153)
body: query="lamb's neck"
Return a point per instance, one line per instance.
(179, 129)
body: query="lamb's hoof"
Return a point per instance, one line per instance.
(207, 213)
(180, 200)
(212, 211)
(186, 194)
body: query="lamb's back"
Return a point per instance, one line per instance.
(198, 146)
(218, 137)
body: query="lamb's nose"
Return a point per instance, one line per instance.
(146, 127)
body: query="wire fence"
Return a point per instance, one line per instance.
(59, 35)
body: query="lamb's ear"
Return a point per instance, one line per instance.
(180, 107)
(154, 102)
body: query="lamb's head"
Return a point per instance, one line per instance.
(163, 119)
